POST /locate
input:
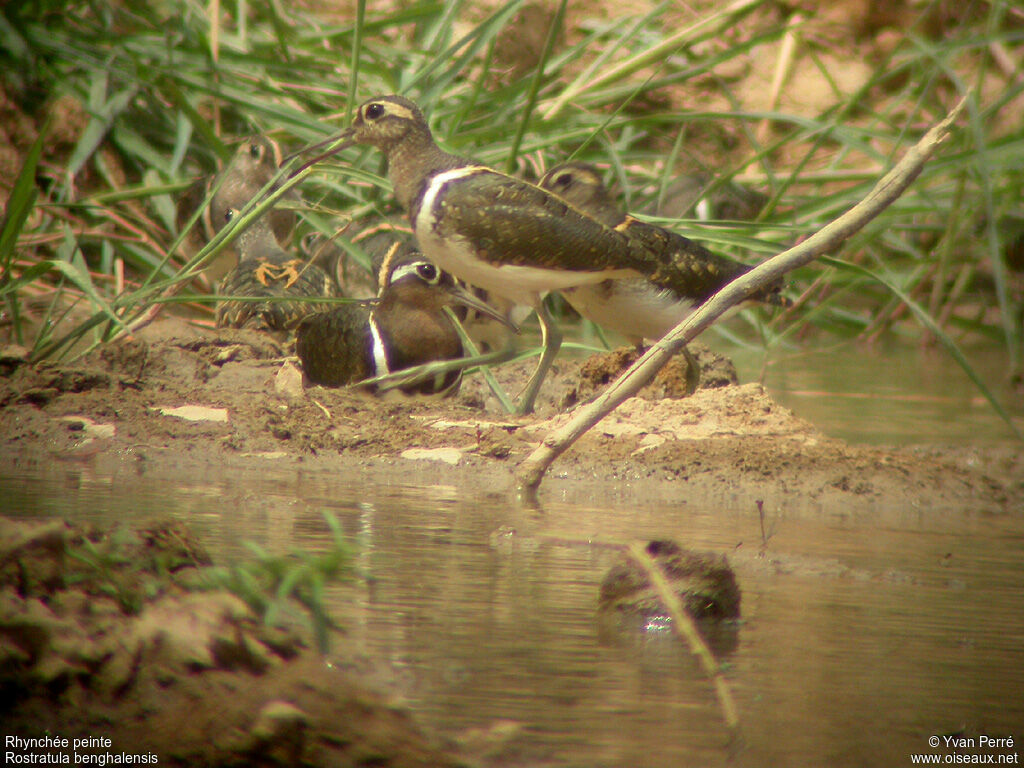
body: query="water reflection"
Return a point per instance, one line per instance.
(896, 394)
(858, 639)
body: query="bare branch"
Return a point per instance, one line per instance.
(886, 191)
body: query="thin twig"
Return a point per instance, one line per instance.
(886, 191)
(323, 408)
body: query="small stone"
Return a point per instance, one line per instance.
(279, 734)
(647, 442)
(194, 412)
(12, 356)
(277, 718)
(89, 427)
(288, 382)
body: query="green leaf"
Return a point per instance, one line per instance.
(98, 127)
(19, 204)
(27, 277)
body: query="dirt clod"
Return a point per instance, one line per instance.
(191, 676)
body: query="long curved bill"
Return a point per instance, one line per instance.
(465, 297)
(335, 144)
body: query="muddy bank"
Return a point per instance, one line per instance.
(121, 638)
(133, 653)
(125, 643)
(237, 397)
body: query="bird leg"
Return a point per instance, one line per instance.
(692, 366)
(551, 338)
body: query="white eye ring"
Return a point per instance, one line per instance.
(423, 270)
(428, 272)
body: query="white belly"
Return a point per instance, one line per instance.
(519, 284)
(635, 308)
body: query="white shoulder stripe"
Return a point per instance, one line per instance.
(380, 356)
(425, 216)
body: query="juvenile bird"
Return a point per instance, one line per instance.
(495, 231)
(404, 327)
(375, 239)
(355, 255)
(265, 271)
(637, 308)
(254, 163)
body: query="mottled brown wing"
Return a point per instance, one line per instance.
(276, 279)
(702, 272)
(335, 346)
(514, 222)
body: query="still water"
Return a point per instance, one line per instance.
(892, 394)
(862, 635)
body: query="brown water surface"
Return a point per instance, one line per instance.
(862, 635)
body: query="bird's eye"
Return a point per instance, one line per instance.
(563, 179)
(427, 271)
(374, 111)
(256, 151)
(229, 214)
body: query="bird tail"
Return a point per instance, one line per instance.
(691, 270)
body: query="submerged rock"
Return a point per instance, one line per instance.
(705, 584)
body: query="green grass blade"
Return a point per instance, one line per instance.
(19, 205)
(357, 47)
(485, 370)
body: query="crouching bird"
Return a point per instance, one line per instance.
(253, 165)
(265, 290)
(405, 326)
